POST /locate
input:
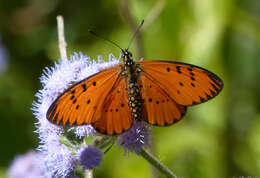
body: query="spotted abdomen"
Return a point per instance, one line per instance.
(135, 101)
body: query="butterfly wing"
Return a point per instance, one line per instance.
(158, 107)
(117, 116)
(83, 102)
(186, 84)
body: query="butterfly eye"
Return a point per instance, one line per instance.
(130, 54)
(122, 56)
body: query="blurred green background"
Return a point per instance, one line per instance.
(220, 138)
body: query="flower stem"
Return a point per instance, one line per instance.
(156, 163)
(102, 142)
(61, 37)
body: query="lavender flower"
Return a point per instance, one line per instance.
(90, 157)
(3, 58)
(26, 166)
(60, 160)
(135, 138)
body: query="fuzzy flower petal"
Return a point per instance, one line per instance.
(135, 138)
(59, 161)
(90, 157)
(25, 166)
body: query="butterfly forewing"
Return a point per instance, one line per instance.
(184, 83)
(116, 116)
(83, 102)
(158, 107)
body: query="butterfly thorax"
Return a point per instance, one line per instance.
(131, 74)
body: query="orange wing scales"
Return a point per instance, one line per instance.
(83, 100)
(186, 84)
(158, 107)
(117, 116)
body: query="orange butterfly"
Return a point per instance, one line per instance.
(155, 91)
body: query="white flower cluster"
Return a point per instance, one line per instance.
(58, 160)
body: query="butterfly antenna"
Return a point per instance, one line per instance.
(106, 39)
(136, 32)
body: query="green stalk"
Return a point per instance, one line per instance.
(157, 164)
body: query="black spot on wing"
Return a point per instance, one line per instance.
(74, 101)
(84, 86)
(189, 69)
(178, 68)
(88, 101)
(202, 99)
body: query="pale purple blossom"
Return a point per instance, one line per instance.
(60, 160)
(90, 157)
(25, 166)
(135, 138)
(4, 56)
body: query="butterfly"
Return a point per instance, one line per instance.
(157, 92)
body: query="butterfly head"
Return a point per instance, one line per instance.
(127, 58)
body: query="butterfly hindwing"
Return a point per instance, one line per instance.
(186, 84)
(82, 103)
(158, 107)
(116, 116)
